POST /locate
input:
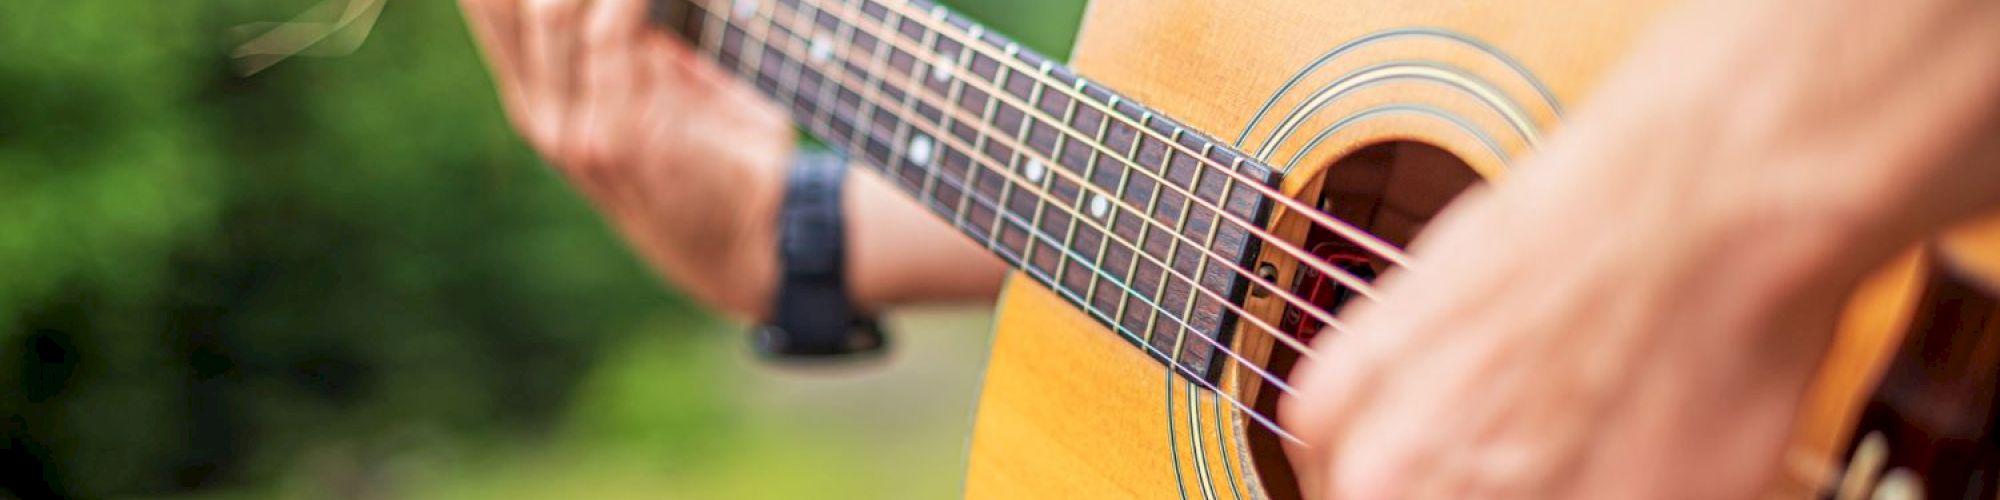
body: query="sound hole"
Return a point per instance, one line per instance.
(1391, 190)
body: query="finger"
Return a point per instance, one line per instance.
(549, 40)
(611, 96)
(616, 22)
(1342, 380)
(496, 24)
(654, 85)
(671, 70)
(621, 113)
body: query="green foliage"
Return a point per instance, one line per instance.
(208, 279)
(200, 272)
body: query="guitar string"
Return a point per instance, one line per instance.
(1347, 230)
(1236, 269)
(1342, 228)
(925, 56)
(1339, 227)
(1288, 296)
(759, 35)
(1259, 417)
(1264, 375)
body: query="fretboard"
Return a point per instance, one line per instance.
(1134, 219)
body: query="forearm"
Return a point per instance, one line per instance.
(899, 254)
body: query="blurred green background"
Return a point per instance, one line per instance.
(346, 278)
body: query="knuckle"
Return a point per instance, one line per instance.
(549, 12)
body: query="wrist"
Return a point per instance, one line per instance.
(814, 314)
(751, 271)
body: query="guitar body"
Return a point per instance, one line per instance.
(1070, 410)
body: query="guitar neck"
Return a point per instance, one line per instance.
(1136, 220)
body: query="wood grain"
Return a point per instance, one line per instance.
(1071, 410)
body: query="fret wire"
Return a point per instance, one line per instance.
(865, 109)
(1152, 202)
(1082, 202)
(1346, 230)
(1201, 270)
(739, 51)
(1167, 269)
(1045, 237)
(797, 17)
(868, 102)
(812, 117)
(1179, 240)
(1180, 227)
(1039, 207)
(1192, 198)
(746, 62)
(828, 91)
(1302, 255)
(978, 145)
(791, 80)
(872, 85)
(1124, 175)
(1197, 377)
(825, 98)
(986, 115)
(712, 35)
(1037, 233)
(947, 113)
(928, 195)
(824, 112)
(995, 94)
(1030, 252)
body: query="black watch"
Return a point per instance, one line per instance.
(813, 317)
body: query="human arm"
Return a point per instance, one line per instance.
(1638, 311)
(689, 164)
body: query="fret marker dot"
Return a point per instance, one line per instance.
(920, 150)
(941, 72)
(821, 49)
(1034, 170)
(744, 8)
(1099, 206)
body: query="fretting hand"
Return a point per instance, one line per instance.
(689, 163)
(686, 162)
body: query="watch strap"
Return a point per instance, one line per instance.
(813, 316)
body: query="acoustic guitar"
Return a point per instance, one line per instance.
(1191, 197)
